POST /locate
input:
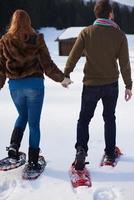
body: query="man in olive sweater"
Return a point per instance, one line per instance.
(103, 43)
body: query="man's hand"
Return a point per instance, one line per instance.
(128, 94)
(66, 82)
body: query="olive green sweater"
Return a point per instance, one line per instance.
(102, 46)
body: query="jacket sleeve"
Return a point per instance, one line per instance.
(2, 67)
(74, 55)
(47, 64)
(124, 63)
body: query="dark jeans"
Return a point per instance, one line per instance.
(28, 103)
(90, 96)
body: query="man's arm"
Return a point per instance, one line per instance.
(74, 55)
(124, 63)
(125, 67)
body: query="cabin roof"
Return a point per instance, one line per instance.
(70, 33)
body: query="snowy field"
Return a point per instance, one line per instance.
(58, 127)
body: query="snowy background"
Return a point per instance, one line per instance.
(58, 126)
(126, 2)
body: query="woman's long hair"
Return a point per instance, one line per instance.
(20, 25)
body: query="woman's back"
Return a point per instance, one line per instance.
(21, 55)
(23, 52)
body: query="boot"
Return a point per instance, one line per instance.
(111, 157)
(15, 142)
(13, 152)
(33, 155)
(79, 163)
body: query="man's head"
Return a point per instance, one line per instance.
(103, 9)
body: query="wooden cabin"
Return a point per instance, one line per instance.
(67, 39)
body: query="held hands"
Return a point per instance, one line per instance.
(66, 82)
(128, 94)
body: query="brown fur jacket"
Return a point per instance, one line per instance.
(20, 59)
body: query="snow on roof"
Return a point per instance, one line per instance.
(71, 32)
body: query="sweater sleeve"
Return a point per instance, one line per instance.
(47, 64)
(74, 55)
(2, 67)
(124, 63)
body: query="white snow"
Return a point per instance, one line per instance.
(125, 2)
(58, 126)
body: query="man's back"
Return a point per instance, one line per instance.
(102, 46)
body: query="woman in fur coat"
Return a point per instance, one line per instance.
(24, 58)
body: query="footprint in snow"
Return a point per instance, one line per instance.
(6, 188)
(107, 194)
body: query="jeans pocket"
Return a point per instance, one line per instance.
(91, 93)
(114, 90)
(33, 93)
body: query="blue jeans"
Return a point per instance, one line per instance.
(90, 96)
(29, 103)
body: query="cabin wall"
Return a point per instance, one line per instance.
(65, 46)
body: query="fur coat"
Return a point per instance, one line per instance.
(20, 59)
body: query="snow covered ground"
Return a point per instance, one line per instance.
(58, 127)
